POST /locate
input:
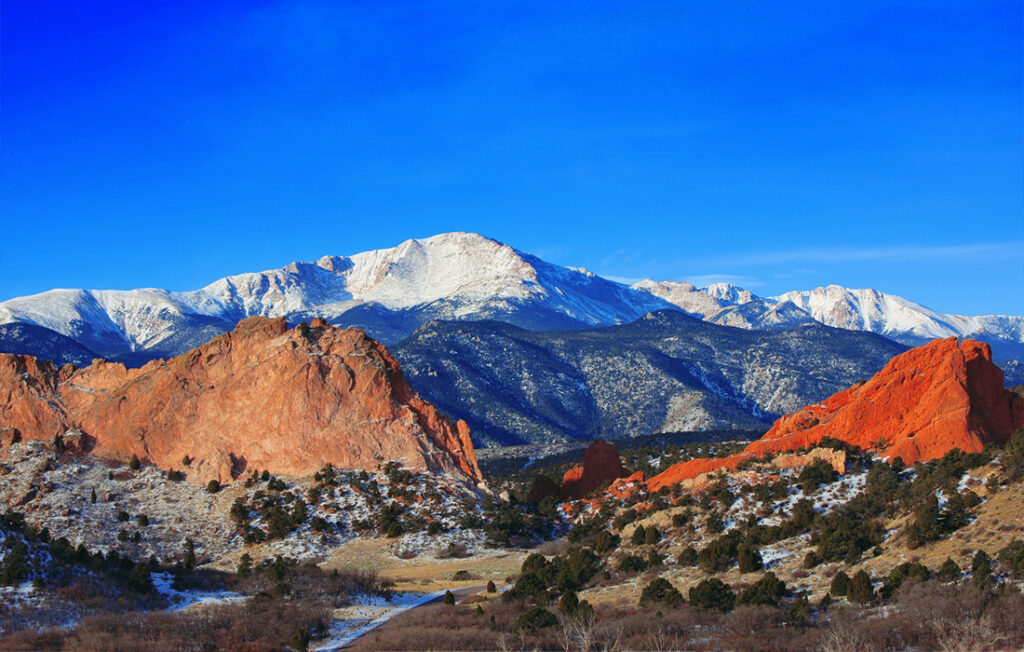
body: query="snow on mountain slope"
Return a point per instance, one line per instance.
(726, 304)
(894, 316)
(463, 276)
(448, 276)
(695, 301)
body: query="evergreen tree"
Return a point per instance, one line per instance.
(140, 579)
(860, 588)
(651, 536)
(660, 591)
(749, 559)
(840, 584)
(713, 594)
(134, 463)
(981, 569)
(189, 562)
(950, 571)
(639, 535)
(92, 496)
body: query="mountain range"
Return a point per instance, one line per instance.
(390, 293)
(665, 372)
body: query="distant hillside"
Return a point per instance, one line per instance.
(665, 372)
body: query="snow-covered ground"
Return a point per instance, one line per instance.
(352, 622)
(164, 585)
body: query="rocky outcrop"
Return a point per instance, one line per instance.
(601, 464)
(921, 405)
(259, 397)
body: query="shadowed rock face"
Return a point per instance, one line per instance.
(259, 397)
(921, 405)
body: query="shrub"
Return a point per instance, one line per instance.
(134, 463)
(605, 542)
(212, 487)
(175, 476)
(449, 597)
(816, 473)
(639, 534)
(651, 536)
(528, 586)
(123, 516)
(1012, 557)
(139, 579)
(534, 619)
(688, 557)
(632, 564)
(981, 568)
(840, 584)
(299, 640)
(950, 571)
(749, 559)
(142, 520)
(660, 591)
(899, 574)
(766, 591)
(720, 554)
(491, 588)
(713, 594)
(860, 589)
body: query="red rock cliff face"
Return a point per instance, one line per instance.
(924, 403)
(259, 397)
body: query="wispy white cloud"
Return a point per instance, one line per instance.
(902, 253)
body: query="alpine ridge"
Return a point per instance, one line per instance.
(259, 397)
(389, 293)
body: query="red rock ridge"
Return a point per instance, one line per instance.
(921, 405)
(259, 397)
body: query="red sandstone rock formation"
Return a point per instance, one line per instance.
(259, 397)
(924, 403)
(601, 463)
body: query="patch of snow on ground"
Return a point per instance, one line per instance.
(164, 585)
(344, 631)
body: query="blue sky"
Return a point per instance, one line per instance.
(779, 145)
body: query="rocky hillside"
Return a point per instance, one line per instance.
(261, 396)
(665, 372)
(921, 405)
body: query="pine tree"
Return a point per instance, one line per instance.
(134, 463)
(92, 496)
(189, 562)
(749, 559)
(860, 588)
(950, 571)
(840, 584)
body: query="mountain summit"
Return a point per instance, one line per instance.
(389, 293)
(386, 292)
